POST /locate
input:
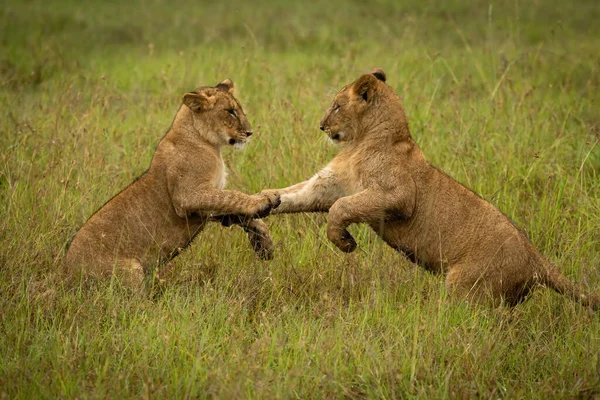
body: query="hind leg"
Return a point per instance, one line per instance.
(129, 272)
(467, 282)
(480, 284)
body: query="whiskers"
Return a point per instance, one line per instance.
(325, 140)
(239, 146)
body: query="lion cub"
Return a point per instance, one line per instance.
(161, 212)
(381, 177)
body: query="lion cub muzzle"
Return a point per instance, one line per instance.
(242, 139)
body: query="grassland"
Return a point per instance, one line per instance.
(504, 96)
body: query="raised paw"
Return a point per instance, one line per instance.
(272, 196)
(342, 239)
(268, 201)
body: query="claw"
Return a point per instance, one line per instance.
(347, 244)
(343, 240)
(277, 202)
(264, 213)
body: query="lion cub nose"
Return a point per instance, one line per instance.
(321, 127)
(249, 133)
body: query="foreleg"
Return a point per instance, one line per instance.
(257, 231)
(224, 202)
(314, 195)
(372, 206)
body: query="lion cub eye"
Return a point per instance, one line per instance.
(231, 112)
(336, 108)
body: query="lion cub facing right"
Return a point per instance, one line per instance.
(149, 222)
(380, 177)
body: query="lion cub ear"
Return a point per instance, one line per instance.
(226, 85)
(379, 74)
(198, 101)
(365, 86)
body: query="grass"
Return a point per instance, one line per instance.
(503, 96)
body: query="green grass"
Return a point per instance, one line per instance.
(503, 96)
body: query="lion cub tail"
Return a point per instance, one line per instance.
(557, 281)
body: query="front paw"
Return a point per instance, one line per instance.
(342, 239)
(272, 196)
(268, 201)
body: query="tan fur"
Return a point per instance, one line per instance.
(160, 213)
(380, 177)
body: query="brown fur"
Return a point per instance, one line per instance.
(380, 177)
(160, 213)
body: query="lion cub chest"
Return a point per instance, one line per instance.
(348, 175)
(220, 179)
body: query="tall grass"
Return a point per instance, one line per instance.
(503, 96)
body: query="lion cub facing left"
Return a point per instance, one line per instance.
(150, 221)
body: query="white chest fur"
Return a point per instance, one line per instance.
(221, 177)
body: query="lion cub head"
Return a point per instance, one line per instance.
(362, 108)
(216, 113)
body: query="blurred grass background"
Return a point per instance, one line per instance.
(501, 95)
